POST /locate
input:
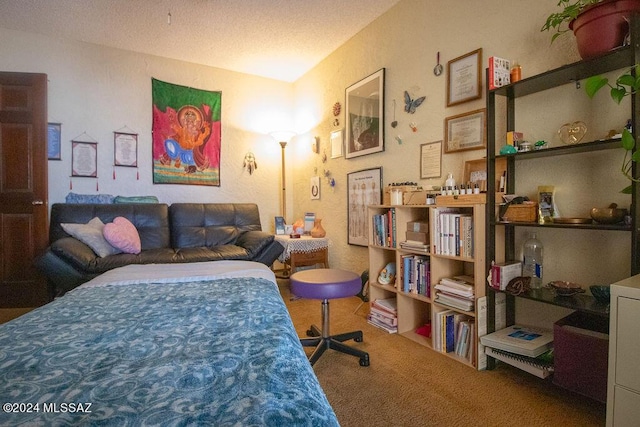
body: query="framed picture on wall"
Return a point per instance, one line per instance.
(125, 149)
(364, 188)
(464, 82)
(53, 141)
(365, 116)
(84, 159)
(465, 131)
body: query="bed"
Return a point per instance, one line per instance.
(206, 343)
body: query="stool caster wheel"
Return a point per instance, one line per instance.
(364, 361)
(358, 339)
(310, 333)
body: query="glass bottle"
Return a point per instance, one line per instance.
(532, 260)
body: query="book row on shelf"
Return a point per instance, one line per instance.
(416, 275)
(452, 232)
(453, 332)
(384, 229)
(383, 314)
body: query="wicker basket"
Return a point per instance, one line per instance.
(521, 213)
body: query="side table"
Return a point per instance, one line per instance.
(303, 251)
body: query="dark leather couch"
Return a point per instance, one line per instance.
(181, 232)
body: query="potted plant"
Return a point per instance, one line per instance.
(598, 25)
(626, 84)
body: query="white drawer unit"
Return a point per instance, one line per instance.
(623, 385)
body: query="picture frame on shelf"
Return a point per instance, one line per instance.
(466, 131)
(365, 116)
(54, 150)
(364, 188)
(464, 80)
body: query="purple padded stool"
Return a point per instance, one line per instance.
(326, 284)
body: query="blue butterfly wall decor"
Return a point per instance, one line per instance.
(410, 105)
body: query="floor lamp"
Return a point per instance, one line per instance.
(283, 137)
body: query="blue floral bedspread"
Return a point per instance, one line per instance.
(215, 353)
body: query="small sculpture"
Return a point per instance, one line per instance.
(388, 274)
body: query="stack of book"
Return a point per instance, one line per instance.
(383, 314)
(524, 347)
(414, 245)
(457, 292)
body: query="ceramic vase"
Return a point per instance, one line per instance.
(317, 230)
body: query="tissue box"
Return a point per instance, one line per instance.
(501, 274)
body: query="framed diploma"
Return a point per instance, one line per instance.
(464, 82)
(465, 131)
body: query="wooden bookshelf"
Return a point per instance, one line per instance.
(414, 309)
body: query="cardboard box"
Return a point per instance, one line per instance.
(414, 197)
(418, 226)
(581, 350)
(417, 236)
(502, 274)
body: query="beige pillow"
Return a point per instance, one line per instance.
(91, 234)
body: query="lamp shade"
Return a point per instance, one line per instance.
(282, 135)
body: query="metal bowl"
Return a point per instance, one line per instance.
(610, 215)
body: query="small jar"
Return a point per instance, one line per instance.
(516, 72)
(525, 146)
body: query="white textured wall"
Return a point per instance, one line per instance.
(100, 90)
(405, 41)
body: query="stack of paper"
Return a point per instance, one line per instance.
(456, 293)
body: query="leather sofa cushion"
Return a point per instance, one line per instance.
(211, 224)
(151, 220)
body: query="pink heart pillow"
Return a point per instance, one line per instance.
(122, 234)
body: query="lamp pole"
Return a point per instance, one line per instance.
(283, 211)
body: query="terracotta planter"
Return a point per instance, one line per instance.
(603, 26)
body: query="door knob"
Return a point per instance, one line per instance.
(37, 202)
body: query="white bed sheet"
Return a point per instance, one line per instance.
(181, 272)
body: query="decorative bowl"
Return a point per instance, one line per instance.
(566, 289)
(610, 215)
(602, 293)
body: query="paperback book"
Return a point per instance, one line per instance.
(522, 340)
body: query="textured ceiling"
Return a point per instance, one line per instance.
(279, 39)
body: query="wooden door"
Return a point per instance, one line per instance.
(23, 188)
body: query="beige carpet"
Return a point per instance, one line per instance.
(410, 385)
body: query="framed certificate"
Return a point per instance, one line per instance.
(465, 131)
(464, 82)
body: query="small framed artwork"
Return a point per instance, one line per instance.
(464, 82)
(364, 188)
(365, 116)
(314, 188)
(54, 131)
(84, 159)
(125, 149)
(336, 144)
(465, 131)
(431, 160)
(280, 226)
